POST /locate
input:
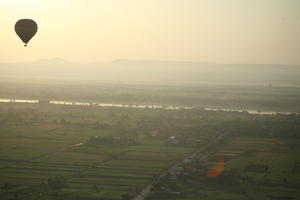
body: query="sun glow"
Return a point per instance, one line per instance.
(22, 8)
(21, 2)
(197, 30)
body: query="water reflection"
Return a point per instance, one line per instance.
(256, 112)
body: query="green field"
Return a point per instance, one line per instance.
(256, 167)
(39, 142)
(86, 152)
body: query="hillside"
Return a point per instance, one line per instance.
(156, 72)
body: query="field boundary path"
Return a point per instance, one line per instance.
(147, 190)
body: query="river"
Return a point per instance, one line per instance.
(254, 112)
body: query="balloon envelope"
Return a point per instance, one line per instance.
(26, 29)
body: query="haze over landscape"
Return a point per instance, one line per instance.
(156, 72)
(149, 99)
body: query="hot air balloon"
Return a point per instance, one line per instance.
(26, 29)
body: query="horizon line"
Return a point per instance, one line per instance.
(143, 60)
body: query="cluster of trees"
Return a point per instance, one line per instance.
(58, 182)
(10, 115)
(45, 191)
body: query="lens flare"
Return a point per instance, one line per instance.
(216, 170)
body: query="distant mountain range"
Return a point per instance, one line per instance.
(156, 72)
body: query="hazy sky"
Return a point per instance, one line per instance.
(222, 31)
